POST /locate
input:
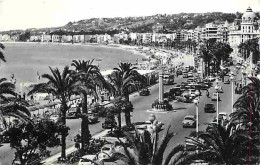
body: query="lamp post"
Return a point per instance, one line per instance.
(216, 87)
(196, 101)
(232, 93)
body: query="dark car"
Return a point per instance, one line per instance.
(179, 72)
(209, 108)
(176, 91)
(185, 75)
(238, 90)
(144, 92)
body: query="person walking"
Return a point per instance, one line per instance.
(207, 93)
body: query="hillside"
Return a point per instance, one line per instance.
(168, 23)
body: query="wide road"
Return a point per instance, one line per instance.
(141, 105)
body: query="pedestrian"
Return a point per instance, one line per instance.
(207, 93)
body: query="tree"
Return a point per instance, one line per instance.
(206, 50)
(31, 139)
(62, 86)
(217, 146)
(125, 77)
(88, 77)
(2, 57)
(145, 148)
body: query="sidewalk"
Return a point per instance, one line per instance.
(69, 150)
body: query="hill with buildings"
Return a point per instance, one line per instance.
(160, 23)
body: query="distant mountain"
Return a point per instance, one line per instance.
(168, 23)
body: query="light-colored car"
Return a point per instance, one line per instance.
(219, 89)
(189, 121)
(215, 96)
(190, 74)
(210, 78)
(106, 151)
(223, 115)
(55, 118)
(87, 160)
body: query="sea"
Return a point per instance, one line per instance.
(28, 60)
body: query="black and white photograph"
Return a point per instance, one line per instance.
(129, 82)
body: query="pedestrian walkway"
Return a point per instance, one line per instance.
(54, 158)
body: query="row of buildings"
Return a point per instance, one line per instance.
(234, 33)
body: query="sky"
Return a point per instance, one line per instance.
(23, 14)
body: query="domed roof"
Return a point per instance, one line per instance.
(249, 15)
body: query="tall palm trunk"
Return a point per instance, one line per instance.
(127, 112)
(84, 124)
(119, 121)
(64, 108)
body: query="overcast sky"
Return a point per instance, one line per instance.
(22, 14)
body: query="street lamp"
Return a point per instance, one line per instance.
(196, 101)
(216, 87)
(232, 93)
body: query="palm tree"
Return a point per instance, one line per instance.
(217, 146)
(88, 76)
(62, 86)
(11, 105)
(145, 148)
(2, 57)
(247, 114)
(125, 77)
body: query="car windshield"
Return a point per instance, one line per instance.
(189, 118)
(106, 149)
(209, 105)
(85, 160)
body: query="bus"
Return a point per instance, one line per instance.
(168, 79)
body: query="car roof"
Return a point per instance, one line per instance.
(89, 156)
(209, 104)
(192, 116)
(222, 113)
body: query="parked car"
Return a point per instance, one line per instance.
(108, 125)
(223, 115)
(175, 91)
(93, 117)
(185, 75)
(209, 108)
(87, 160)
(55, 118)
(190, 74)
(238, 90)
(189, 121)
(211, 78)
(227, 81)
(215, 96)
(106, 151)
(219, 89)
(144, 92)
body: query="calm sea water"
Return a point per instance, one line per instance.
(24, 60)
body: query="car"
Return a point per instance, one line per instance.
(189, 121)
(238, 90)
(144, 92)
(87, 160)
(211, 78)
(215, 97)
(192, 93)
(226, 81)
(55, 118)
(190, 74)
(223, 116)
(179, 72)
(185, 75)
(209, 108)
(108, 124)
(106, 151)
(219, 89)
(93, 117)
(175, 91)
